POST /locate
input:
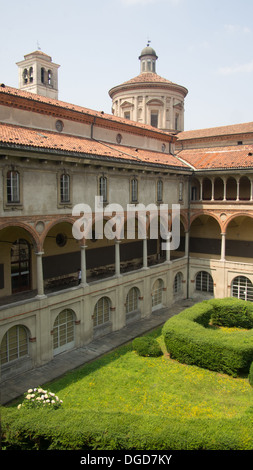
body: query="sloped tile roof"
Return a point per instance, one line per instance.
(45, 140)
(233, 157)
(64, 106)
(217, 131)
(147, 79)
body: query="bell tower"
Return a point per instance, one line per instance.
(38, 74)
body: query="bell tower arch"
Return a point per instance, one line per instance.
(38, 74)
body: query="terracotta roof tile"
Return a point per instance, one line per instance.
(219, 157)
(80, 109)
(37, 138)
(216, 131)
(149, 79)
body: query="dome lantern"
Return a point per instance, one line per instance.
(148, 59)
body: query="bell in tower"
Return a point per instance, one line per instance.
(38, 74)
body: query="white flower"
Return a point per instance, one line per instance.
(28, 396)
(52, 401)
(30, 390)
(19, 406)
(40, 390)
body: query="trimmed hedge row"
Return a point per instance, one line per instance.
(75, 430)
(189, 341)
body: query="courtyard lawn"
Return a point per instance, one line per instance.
(126, 401)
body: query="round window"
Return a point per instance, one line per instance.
(59, 125)
(61, 239)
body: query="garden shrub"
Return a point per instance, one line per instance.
(188, 339)
(232, 313)
(147, 346)
(251, 375)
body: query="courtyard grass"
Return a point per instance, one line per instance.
(125, 401)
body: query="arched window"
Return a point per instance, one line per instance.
(65, 188)
(31, 74)
(25, 76)
(103, 188)
(42, 75)
(204, 282)
(157, 293)
(64, 331)
(14, 344)
(207, 189)
(134, 190)
(20, 265)
(13, 193)
(177, 285)
(101, 313)
(49, 77)
(242, 288)
(132, 300)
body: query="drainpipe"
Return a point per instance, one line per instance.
(91, 127)
(188, 254)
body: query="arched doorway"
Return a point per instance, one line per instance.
(205, 237)
(14, 344)
(64, 331)
(20, 266)
(204, 282)
(242, 288)
(157, 294)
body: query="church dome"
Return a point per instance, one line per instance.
(148, 50)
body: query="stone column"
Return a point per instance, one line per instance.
(212, 197)
(40, 279)
(238, 189)
(201, 190)
(117, 258)
(167, 243)
(224, 189)
(223, 246)
(83, 266)
(186, 244)
(145, 253)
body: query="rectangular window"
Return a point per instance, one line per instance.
(181, 188)
(127, 115)
(65, 188)
(176, 122)
(12, 186)
(154, 119)
(159, 191)
(134, 190)
(103, 188)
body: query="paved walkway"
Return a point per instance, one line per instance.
(12, 388)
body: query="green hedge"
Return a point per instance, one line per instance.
(147, 346)
(76, 430)
(232, 313)
(188, 339)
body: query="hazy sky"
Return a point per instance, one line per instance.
(204, 45)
